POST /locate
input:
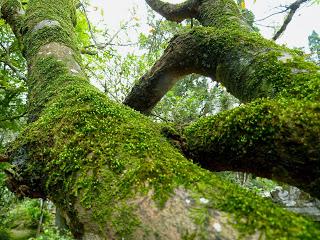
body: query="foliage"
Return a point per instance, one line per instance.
(52, 233)
(192, 98)
(12, 86)
(7, 198)
(314, 45)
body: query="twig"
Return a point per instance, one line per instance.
(264, 18)
(293, 8)
(13, 118)
(15, 70)
(42, 202)
(7, 62)
(89, 24)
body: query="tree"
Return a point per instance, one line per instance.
(113, 173)
(314, 45)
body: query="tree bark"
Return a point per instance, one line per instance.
(109, 169)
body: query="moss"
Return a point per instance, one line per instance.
(37, 12)
(251, 67)
(210, 14)
(280, 135)
(47, 35)
(255, 214)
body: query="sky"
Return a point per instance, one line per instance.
(304, 22)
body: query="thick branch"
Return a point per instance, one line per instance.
(175, 12)
(277, 139)
(241, 66)
(176, 62)
(293, 8)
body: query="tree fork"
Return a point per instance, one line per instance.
(175, 12)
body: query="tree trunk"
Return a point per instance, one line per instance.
(109, 169)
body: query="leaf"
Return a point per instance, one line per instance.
(243, 4)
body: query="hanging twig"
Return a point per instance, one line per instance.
(6, 61)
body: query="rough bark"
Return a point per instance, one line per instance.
(109, 169)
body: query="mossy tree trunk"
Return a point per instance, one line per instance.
(111, 171)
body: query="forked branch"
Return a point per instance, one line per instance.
(175, 12)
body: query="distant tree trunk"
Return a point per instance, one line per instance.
(60, 221)
(112, 172)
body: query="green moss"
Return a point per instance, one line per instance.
(210, 14)
(251, 67)
(255, 214)
(269, 132)
(38, 12)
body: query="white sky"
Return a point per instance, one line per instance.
(305, 20)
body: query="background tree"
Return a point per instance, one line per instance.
(314, 45)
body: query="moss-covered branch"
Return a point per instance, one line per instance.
(277, 139)
(249, 66)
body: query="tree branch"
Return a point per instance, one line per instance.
(262, 138)
(13, 117)
(14, 69)
(175, 12)
(80, 4)
(176, 62)
(203, 51)
(293, 8)
(272, 14)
